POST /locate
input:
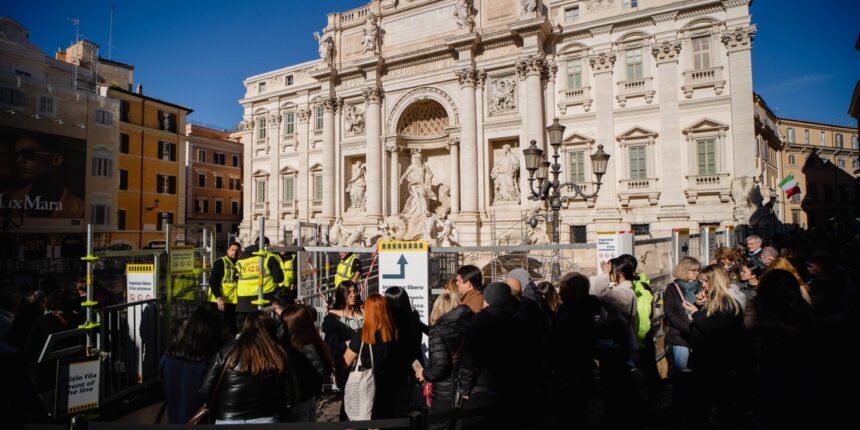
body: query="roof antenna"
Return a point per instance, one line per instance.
(76, 22)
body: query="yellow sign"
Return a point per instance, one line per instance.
(402, 245)
(181, 259)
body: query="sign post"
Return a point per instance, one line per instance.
(707, 243)
(405, 264)
(680, 245)
(611, 244)
(730, 240)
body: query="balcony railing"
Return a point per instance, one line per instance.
(703, 78)
(717, 183)
(316, 203)
(354, 14)
(575, 96)
(639, 188)
(635, 88)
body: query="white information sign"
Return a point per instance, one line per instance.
(140, 286)
(611, 244)
(77, 385)
(405, 264)
(707, 243)
(729, 238)
(680, 245)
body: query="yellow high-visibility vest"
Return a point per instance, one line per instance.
(228, 283)
(184, 287)
(249, 275)
(289, 275)
(344, 270)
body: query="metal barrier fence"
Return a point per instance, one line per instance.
(131, 344)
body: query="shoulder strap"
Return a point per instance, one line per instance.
(220, 377)
(680, 293)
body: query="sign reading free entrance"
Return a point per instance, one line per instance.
(404, 264)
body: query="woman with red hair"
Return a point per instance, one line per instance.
(390, 363)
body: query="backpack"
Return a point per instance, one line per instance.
(615, 339)
(644, 303)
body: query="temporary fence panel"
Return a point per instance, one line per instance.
(132, 346)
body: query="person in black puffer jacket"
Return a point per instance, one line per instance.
(311, 365)
(449, 321)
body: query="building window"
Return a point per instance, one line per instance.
(318, 124)
(234, 208)
(854, 142)
(633, 60)
(235, 161)
(638, 164)
(795, 216)
(261, 87)
(202, 206)
(166, 151)
(123, 143)
(790, 133)
(201, 180)
(806, 140)
(706, 156)
(201, 155)
(167, 121)
(641, 229)
(102, 167)
(290, 123)
(822, 139)
(104, 117)
(218, 228)
(124, 107)
(628, 4)
(47, 105)
(261, 128)
(571, 14)
(318, 186)
(289, 79)
(12, 97)
(100, 214)
(164, 218)
(235, 184)
(791, 159)
(120, 219)
(220, 159)
(219, 207)
(574, 74)
(839, 143)
(840, 163)
(123, 179)
(795, 199)
(165, 184)
(577, 166)
(289, 189)
(261, 191)
(855, 164)
(219, 182)
(578, 234)
(701, 52)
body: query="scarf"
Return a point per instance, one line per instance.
(690, 289)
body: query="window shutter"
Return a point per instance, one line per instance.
(172, 184)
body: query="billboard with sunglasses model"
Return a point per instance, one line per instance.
(42, 175)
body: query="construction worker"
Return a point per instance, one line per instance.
(222, 286)
(249, 278)
(285, 259)
(348, 268)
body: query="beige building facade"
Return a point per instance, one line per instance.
(412, 123)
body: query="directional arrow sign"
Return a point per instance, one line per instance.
(402, 275)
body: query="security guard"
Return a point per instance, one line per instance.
(348, 268)
(222, 286)
(249, 274)
(285, 259)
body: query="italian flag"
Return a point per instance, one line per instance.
(789, 185)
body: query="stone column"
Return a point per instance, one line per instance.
(551, 73)
(468, 141)
(454, 153)
(394, 178)
(303, 116)
(328, 160)
(373, 97)
(481, 80)
(672, 205)
(602, 65)
(532, 69)
(738, 43)
(273, 218)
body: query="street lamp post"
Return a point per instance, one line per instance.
(550, 190)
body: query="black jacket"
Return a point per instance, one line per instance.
(241, 396)
(572, 340)
(337, 334)
(307, 373)
(676, 317)
(491, 346)
(446, 337)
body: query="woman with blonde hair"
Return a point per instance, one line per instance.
(677, 296)
(714, 332)
(784, 264)
(448, 320)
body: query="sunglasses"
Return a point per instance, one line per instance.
(30, 153)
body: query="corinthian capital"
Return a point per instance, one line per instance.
(303, 115)
(467, 77)
(602, 62)
(330, 104)
(739, 39)
(373, 95)
(666, 51)
(532, 65)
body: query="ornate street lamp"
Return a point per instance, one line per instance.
(550, 191)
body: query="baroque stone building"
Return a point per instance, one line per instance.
(413, 121)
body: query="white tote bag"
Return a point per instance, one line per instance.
(360, 389)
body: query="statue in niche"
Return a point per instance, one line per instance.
(357, 186)
(528, 6)
(443, 194)
(448, 236)
(371, 35)
(326, 47)
(354, 120)
(503, 96)
(463, 14)
(505, 175)
(418, 177)
(429, 234)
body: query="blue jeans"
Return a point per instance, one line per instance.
(680, 358)
(263, 420)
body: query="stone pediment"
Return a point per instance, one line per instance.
(578, 139)
(315, 166)
(636, 133)
(706, 125)
(287, 170)
(260, 172)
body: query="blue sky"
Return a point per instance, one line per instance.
(196, 53)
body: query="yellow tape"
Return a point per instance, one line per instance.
(83, 407)
(139, 268)
(403, 245)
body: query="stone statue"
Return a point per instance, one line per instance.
(335, 233)
(742, 191)
(354, 120)
(429, 233)
(448, 236)
(355, 237)
(357, 186)
(384, 232)
(443, 195)
(537, 236)
(463, 14)
(505, 175)
(371, 35)
(528, 6)
(503, 95)
(326, 47)
(418, 177)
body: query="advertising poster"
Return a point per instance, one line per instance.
(42, 175)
